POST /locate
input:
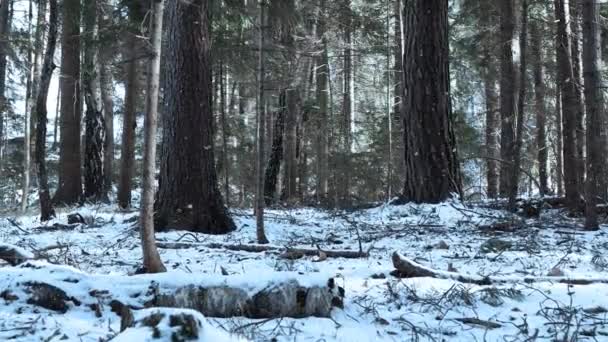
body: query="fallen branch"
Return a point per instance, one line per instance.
(14, 255)
(406, 268)
(289, 253)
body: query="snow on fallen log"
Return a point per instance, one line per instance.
(164, 324)
(265, 295)
(290, 253)
(14, 255)
(407, 268)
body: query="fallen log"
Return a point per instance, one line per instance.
(406, 268)
(290, 253)
(267, 295)
(14, 255)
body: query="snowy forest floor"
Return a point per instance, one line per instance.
(377, 306)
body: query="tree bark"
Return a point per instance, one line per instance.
(4, 39)
(577, 70)
(46, 207)
(489, 62)
(519, 138)
(225, 133)
(540, 107)
(276, 152)
(188, 195)
(570, 106)
(261, 122)
(127, 155)
(322, 77)
(595, 187)
(94, 122)
(559, 154)
(106, 51)
(344, 171)
(69, 190)
(429, 138)
(507, 93)
(152, 261)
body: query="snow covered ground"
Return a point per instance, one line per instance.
(378, 307)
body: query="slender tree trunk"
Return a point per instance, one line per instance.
(429, 138)
(577, 70)
(540, 107)
(507, 93)
(70, 181)
(46, 206)
(261, 122)
(559, 158)
(597, 142)
(345, 125)
(519, 138)
(4, 38)
(188, 195)
(570, 106)
(106, 50)
(225, 133)
(322, 75)
(152, 261)
(127, 155)
(27, 115)
(276, 152)
(488, 20)
(94, 122)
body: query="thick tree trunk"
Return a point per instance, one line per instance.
(152, 261)
(94, 123)
(106, 50)
(595, 187)
(432, 170)
(276, 152)
(540, 107)
(188, 195)
(4, 39)
(519, 138)
(322, 126)
(290, 154)
(507, 93)
(46, 206)
(260, 147)
(570, 106)
(70, 181)
(127, 154)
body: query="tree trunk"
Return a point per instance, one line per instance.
(595, 188)
(559, 154)
(152, 261)
(46, 207)
(276, 153)
(94, 123)
(519, 138)
(570, 106)
(345, 126)
(261, 122)
(540, 107)
(432, 170)
(188, 195)
(492, 149)
(4, 39)
(507, 94)
(322, 76)
(577, 70)
(127, 155)
(69, 190)
(225, 133)
(106, 51)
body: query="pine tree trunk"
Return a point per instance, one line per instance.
(260, 147)
(46, 207)
(577, 70)
(540, 107)
(492, 108)
(127, 154)
(519, 138)
(432, 170)
(597, 142)
(507, 94)
(4, 38)
(94, 122)
(570, 107)
(106, 51)
(152, 261)
(344, 171)
(290, 153)
(225, 133)
(70, 181)
(189, 195)
(276, 152)
(321, 119)
(559, 154)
